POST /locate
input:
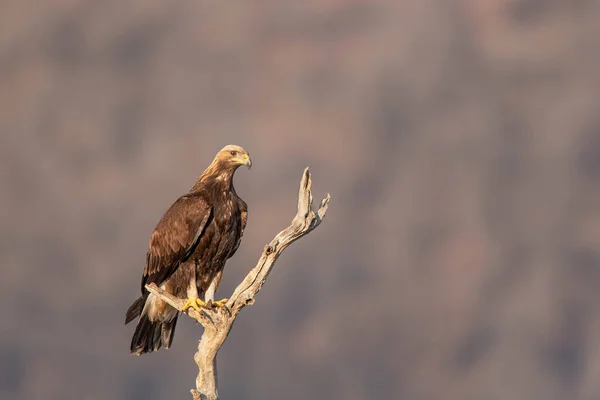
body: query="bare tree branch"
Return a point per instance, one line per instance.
(217, 323)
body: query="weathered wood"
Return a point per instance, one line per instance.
(218, 322)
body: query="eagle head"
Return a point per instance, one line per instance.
(233, 156)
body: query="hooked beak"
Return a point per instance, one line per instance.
(247, 161)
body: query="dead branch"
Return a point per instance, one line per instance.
(217, 323)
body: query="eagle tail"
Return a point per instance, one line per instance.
(150, 336)
(168, 331)
(135, 310)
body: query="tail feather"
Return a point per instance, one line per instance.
(135, 310)
(168, 332)
(150, 336)
(143, 337)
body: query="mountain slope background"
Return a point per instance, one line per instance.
(460, 141)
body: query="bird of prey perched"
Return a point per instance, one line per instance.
(188, 249)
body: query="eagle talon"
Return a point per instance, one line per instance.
(220, 303)
(196, 304)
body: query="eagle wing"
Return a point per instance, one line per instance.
(175, 238)
(243, 207)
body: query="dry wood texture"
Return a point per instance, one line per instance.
(217, 323)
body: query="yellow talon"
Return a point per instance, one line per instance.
(220, 303)
(196, 304)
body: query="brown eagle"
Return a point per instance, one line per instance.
(188, 250)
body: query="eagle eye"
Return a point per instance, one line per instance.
(233, 152)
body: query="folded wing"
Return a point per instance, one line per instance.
(175, 238)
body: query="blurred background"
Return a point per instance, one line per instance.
(460, 141)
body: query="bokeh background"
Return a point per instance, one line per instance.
(460, 141)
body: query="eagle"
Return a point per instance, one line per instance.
(188, 249)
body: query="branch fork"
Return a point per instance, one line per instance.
(218, 322)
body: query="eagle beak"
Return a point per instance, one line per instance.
(247, 161)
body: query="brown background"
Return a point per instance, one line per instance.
(460, 141)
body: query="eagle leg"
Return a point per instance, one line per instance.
(195, 303)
